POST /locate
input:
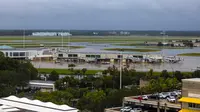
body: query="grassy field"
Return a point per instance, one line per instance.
(141, 45)
(29, 45)
(96, 39)
(66, 71)
(131, 49)
(166, 47)
(190, 54)
(88, 72)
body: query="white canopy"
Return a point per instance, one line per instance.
(5, 108)
(35, 105)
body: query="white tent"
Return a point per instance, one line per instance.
(35, 105)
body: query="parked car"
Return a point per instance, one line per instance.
(166, 94)
(175, 94)
(179, 92)
(138, 97)
(137, 110)
(126, 109)
(145, 97)
(162, 96)
(171, 99)
(154, 96)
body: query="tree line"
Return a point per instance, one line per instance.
(14, 74)
(96, 93)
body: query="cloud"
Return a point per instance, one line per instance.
(100, 14)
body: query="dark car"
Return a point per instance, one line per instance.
(154, 96)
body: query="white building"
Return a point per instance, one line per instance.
(45, 86)
(25, 53)
(51, 34)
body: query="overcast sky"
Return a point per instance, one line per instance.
(100, 14)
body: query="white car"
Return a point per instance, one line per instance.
(126, 109)
(165, 94)
(137, 110)
(171, 99)
(162, 96)
(145, 97)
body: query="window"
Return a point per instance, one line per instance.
(15, 54)
(22, 53)
(6, 54)
(98, 56)
(93, 56)
(120, 56)
(60, 55)
(69, 55)
(11, 53)
(194, 106)
(88, 56)
(75, 55)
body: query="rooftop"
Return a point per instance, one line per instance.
(5, 47)
(20, 49)
(40, 81)
(35, 105)
(192, 80)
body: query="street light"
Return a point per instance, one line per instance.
(120, 69)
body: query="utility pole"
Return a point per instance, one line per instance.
(23, 38)
(62, 39)
(120, 70)
(69, 41)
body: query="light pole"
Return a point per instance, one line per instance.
(120, 69)
(23, 38)
(62, 39)
(69, 41)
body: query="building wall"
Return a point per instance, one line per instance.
(28, 53)
(190, 89)
(102, 55)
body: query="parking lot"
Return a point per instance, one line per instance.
(168, 101)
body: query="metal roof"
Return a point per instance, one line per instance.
(35, 105)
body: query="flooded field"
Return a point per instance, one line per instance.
(189, 64)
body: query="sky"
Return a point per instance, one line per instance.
(100, 14)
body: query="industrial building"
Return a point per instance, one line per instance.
(190, 101)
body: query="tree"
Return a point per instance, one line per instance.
(53, 76)
(196, 74)
(98, 83)
(13, 74)
(165, 74)
(92, 101)
(66, 82)
(160, 44)
(178, 75)
(57, 97)
(84, 71)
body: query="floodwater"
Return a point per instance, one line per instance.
(189, 63)
(89, 47)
